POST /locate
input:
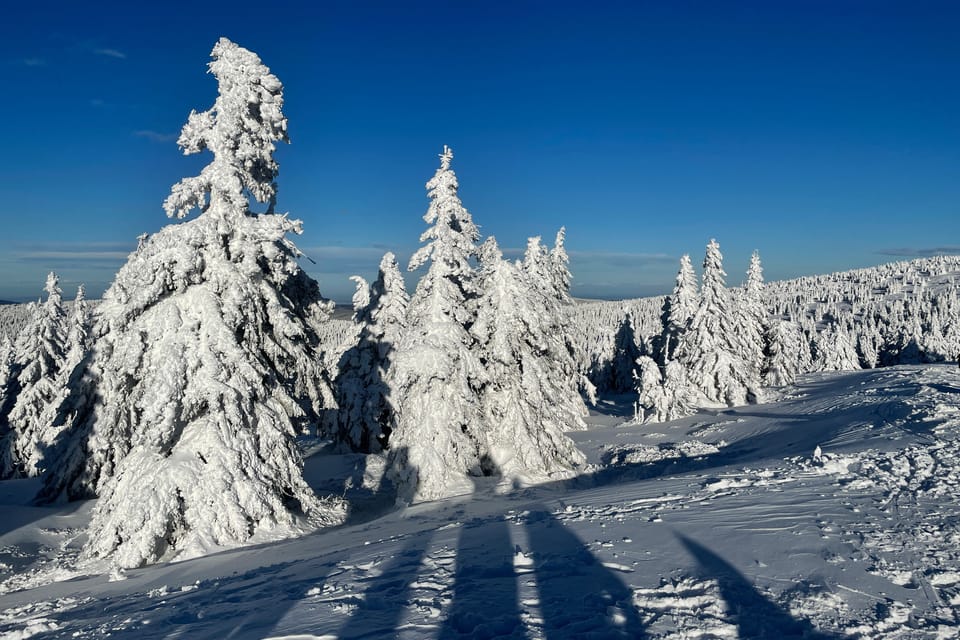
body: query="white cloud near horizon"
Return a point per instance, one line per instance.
(155, 136)
(111, 53)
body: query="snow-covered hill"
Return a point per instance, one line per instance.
(720, 525)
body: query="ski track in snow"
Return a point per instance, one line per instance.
(720, 525)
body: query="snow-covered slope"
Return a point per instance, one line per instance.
(720, 525)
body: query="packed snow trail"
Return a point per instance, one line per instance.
(715, 526)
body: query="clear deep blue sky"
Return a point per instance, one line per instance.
(826, 135)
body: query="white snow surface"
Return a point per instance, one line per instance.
(718, 525)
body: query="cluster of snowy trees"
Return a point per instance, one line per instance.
(35, 375)
(680, 353)
(179, 403)
(474, 373)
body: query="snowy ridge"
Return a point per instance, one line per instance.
(731, 530)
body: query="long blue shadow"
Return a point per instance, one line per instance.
(579, 597)
(485, 601)
(756, 616)
(385, 598)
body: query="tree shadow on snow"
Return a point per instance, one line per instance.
(756, 616)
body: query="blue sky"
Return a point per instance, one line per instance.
(826, 135)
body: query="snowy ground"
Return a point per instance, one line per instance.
(716, 526)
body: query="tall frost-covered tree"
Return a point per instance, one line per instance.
(78, 330)
(680, 306)
(7, 398)
(206, 361)
(560, 277)
(752, 315)
(436, 376)
(37, 383)
(651, 404)
(681, 397)
(787, 353)
(619, 374)
(365, 417)
(709, 348)
(541, 269)
(531, 397)
(58, 412)
(6, 364)
(559, 268)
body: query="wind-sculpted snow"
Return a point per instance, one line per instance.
(720, 525)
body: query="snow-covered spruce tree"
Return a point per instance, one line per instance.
(560, 271)
(619, 376)
(205, 364)
(787, 353)
(651, 400)
(7, 398)
(530, 398)
(38, 384)
(365, 415)
(559, 268)
(709, 348)
(752, 315)
(68, 392)
(541, 269)
(680, 396)
(6, 363)
(679, 307)
(436, 376)
(78, 330)
(836, 350)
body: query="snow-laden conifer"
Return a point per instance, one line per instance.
(78, 330)
(651, 404)
(560, 275)
(6, 363)
(680, 306)
(787, 353)
(436, 375)
(206, 362)
(559, 268)
(38, 384)
(752, 315)
(365, 415)
(836, 351)
(681, 397)
(7, 398)
(709, 348)
(531, 396)
(69, 392)
(619, 377)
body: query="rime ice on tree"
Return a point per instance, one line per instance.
(365, 416)
(680, 306)
(709, 348)
(436, 376)
(531, 397)
(22, 448)
(206, 368)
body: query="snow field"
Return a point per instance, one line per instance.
(714, 526)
